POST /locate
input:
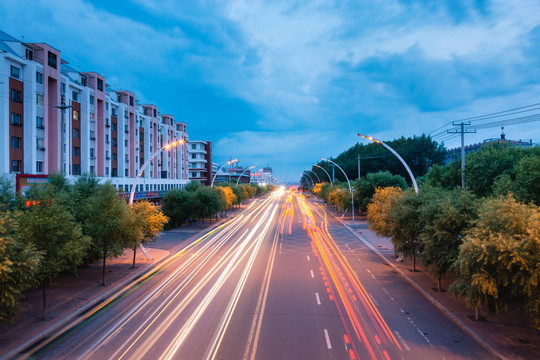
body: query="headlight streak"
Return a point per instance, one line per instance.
(352, 297)
(221, 235)
(240, 253)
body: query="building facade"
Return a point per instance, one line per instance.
(200, 161)
(57, 119)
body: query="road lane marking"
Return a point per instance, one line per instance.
(328, 344)
(318, 298)
(308, 259)
(312, 275)
(373, 276)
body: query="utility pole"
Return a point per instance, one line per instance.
(462, 131)
(62, 107)
(358, 166)
(333, 173)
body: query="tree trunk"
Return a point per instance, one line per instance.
(104, 259)
(439, 283)
(134, 254)
(44, 294)
(476, 313)
(414, 263)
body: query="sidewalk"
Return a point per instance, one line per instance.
(70, 294)
(505, 335)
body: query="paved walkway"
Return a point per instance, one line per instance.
(505, 335)
(70, 294)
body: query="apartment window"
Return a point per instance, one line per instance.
(83, 81)
(113, 141)
(76, 151)
(75, 96)
(15, 142)
(113, 172)
(16, 95)
(39, 100)
(107, 106)
(193, 156)
(114, 157)
(15, 119)
(100, 84)
(75, 133)
(107, 157)
(107, 139)
(62, 88)
(92, 99)
(113, 127)
(107, 171)
(125, 143)
(76, 115)
(40, 144)
(39, 77)
(29, 54)
(39, 122)
(126, 172)
(131, 101)
(194, 146)
(91, 169)
(52, 60)
(76, 169)
(126, 128)
(113, 111)
(39, 166)
(91, 153)
(15, 72)
(16, 166)
(92, 135)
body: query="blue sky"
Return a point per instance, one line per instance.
(283, 83)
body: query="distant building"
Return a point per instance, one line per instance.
(263, 176)
(455, 153)
(200, 161)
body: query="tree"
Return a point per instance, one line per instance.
(499, 260)
(178, 206)
(527, 184)
(205, 203)
(110, 224)
(446, 176)
(192, 186)
(444, 218)
(378, 211)
(7, 194)
(239, 194)
(150, 220)
(85, 186)
(19, 263)
(50, 227)
(365, 188)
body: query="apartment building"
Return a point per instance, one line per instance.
(200, 161)
(57, 119)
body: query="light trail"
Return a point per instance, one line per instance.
(346, 290)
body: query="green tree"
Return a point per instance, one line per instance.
(365, 188)
(499, 260)
(50, 227)
(110, 224)
(178, 206)
(527, 184)
(192, 186)
(85, 186)
(444, 218)
(446, 176)
(19, 263)
(150, 221)
(205, 203)
(239, 194)
(7, 195)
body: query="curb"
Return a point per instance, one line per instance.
(107, 293)
(437, 304)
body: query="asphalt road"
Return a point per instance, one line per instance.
(280, 281)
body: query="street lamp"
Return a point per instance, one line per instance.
(310, 178)
(329, 178)
(249, 168)
(350, 188)
(141, 170)
(399, 157)
(314, 173)
(217, 172)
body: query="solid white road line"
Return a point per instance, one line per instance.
(328, 344)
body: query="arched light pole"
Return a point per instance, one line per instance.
(249, 168)
(217, 172)
(310, 178)
(350, 188)
(141, 170)
(314, 173)
(399, 157)
(329, 178)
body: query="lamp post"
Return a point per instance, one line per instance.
(217, 172)
(310, 178)
(141, 170)
(329, 178)
(399, 157)
(314, 173)
(350, 188)
(249, 168)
